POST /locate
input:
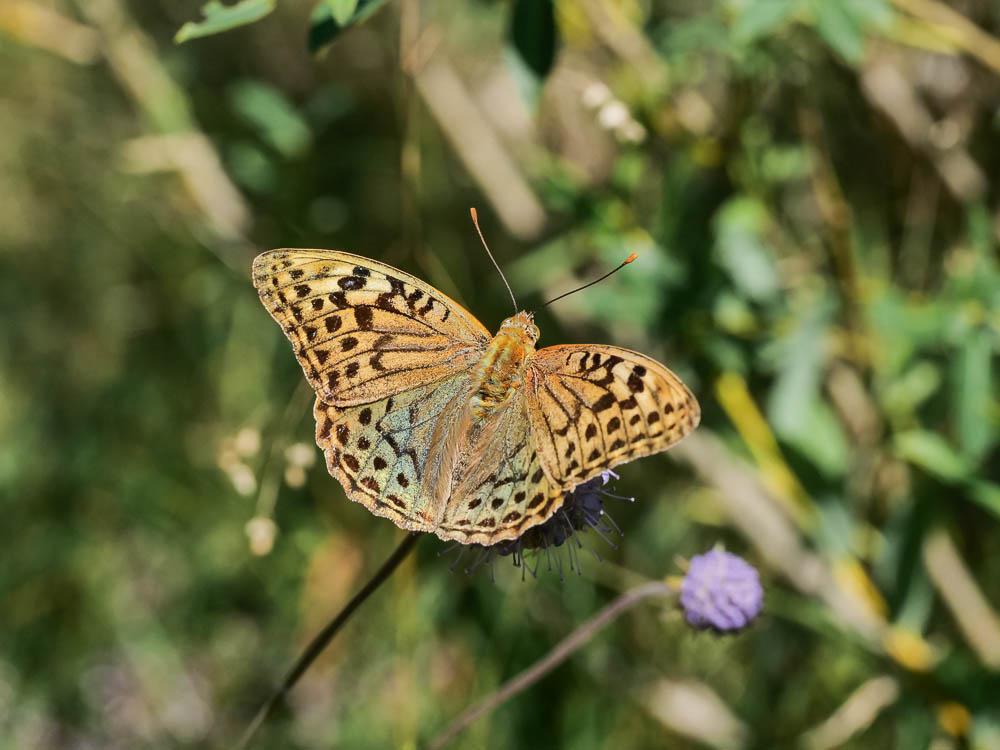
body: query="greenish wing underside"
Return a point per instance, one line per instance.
(379, 451)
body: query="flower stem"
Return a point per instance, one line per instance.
(323, 638)
(563, 650)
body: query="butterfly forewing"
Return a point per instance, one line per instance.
(594, 407)
(363, 330)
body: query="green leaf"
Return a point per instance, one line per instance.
(979, 227)
(821, 439)
(219, 18)
(840, 29)
(327, 104)
(327, 22)
(844, 24)
(342, 10)
(903, 326)
(534, 35)
(902, 396)
(785, 163)
(986, 494)
(931, 452)
(732, 314)
(274, 118)
(799, 358)
(251, 167)
(740, 247)
(872, 15)
(973, 394)
(761, 18)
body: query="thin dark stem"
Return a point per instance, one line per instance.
(563, 650)
(323, 638)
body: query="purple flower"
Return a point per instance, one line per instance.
(721, 592)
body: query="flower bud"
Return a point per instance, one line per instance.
(721, 592)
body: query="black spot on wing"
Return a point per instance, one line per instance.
(350, 283)
(363, 316)
(604, 403)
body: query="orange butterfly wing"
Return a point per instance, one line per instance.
(593, 407)
(363, 330)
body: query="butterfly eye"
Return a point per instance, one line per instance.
(535, 333)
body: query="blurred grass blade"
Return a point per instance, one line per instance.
(973, 394)
(855, 715)
(330, 17)
(931, 452)
(961, 593)
(735, 398)
(219, 18)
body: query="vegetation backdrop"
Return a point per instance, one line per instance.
(811, 188)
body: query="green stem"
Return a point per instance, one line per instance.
(323, 638)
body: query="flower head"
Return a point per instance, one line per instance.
(721, 592)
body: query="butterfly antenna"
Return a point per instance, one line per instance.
(624, 263)
(475, 220)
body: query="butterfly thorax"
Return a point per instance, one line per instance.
(500, 373)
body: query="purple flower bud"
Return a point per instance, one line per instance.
(721, 592)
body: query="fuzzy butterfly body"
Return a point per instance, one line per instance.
(431, 422)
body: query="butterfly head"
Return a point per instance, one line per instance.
(522, 326)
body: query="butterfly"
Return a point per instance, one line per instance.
(427, 419)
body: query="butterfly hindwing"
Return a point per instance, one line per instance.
(363, 330)
(499, 489)
(593, 407)
(380, 451)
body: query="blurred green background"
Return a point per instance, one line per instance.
(810, 186)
